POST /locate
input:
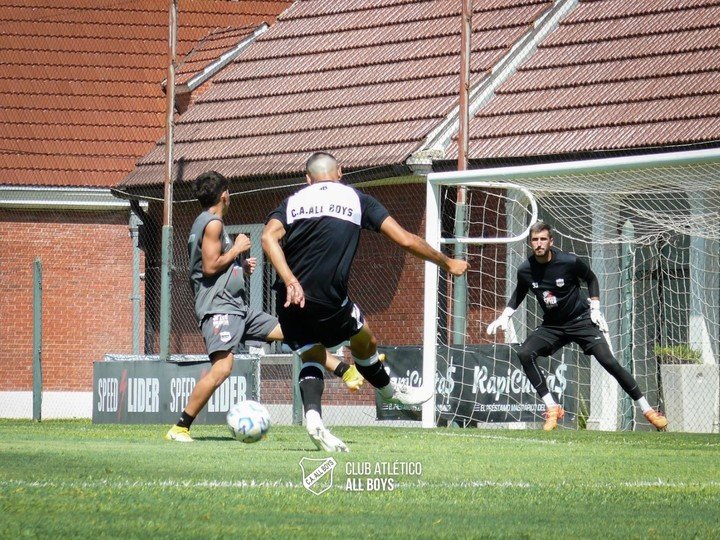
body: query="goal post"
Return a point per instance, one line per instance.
(435, 238)
(648, 225)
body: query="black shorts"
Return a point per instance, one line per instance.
(317, 323)
(547, 339)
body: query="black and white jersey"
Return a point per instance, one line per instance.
(556, 285)
(322, 230)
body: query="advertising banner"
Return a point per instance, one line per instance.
(483, 383)
(155, 392)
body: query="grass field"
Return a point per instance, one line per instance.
(76, 479)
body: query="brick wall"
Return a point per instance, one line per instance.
(87, 285)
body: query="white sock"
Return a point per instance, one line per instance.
(548, 400)
(374, 359)
(387, 391)
(644, 405)
(313, 420)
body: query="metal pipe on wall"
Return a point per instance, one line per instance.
(459, 309)
(167, 229)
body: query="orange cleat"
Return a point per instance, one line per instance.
(657, 419)
(552, 415)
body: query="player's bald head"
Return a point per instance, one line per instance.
(322, 166)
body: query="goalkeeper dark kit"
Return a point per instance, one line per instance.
(556, 285)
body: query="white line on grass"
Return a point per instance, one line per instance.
(465, 485)
(477, 484)
(502, 438)
(616, 442)
(122, 484)
(264, 484)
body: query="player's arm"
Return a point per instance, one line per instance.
(588, 276)
(273, 232)
(415, 245)
(214, 261)
(584, 272)
(516, 298)
(518, 295)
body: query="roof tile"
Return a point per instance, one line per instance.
(80, 84)
(366, 79)
(614, 75)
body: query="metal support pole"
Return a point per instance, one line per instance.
(37, 341)
(464, 105)
(167, 231)
(135, 298)
(297, 404)
(626, 321)
(459, 308)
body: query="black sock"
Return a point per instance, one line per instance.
(341, 368)
(185, 420)
(375, 374)
(312, 385)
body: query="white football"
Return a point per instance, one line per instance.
(248, 421)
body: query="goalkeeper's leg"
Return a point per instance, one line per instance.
(604, 355)
(533, 348)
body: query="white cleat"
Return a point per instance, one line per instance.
(409, 395)
(326, 441)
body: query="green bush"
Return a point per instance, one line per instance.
(678, 354)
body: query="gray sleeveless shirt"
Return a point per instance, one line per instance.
(222, 293)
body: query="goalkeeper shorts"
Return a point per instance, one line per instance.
(548, 339)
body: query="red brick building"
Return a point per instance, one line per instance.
(82, 100)
(374, 82)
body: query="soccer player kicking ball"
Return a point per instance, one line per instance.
(218, 281)
(320, 227)
(554, 277)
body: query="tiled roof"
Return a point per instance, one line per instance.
(211, 55)
(80, 82)
(614, 75)
(364, 79)
(208, 50)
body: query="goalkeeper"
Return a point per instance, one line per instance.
(568, 316)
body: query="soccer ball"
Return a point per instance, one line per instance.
(248, 421)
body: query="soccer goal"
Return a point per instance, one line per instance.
(649, 226)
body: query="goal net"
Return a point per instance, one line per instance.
(649, 227)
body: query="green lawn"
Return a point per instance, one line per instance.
(76, 479)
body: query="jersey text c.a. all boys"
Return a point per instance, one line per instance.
(322, 229)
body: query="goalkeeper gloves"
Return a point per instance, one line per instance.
(596, 316)
(501, 322)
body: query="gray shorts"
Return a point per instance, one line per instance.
(227, 332)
